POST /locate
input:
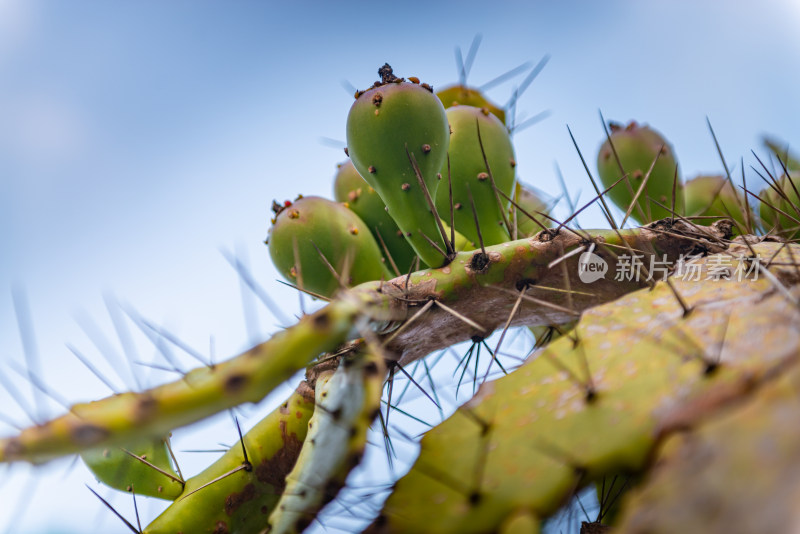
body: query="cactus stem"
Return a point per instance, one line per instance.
(464, 319)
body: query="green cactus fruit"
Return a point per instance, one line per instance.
(786, 224)
(390, 125)
(119, 470)
(310, 225)
(782, 152)
(461, 95)
(532, 205)
(469, 175)
(349, 187)
(637, 148)
(714, 196)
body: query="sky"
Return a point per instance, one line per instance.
(139, 140)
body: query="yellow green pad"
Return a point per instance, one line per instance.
(737, 473)
(577, 411)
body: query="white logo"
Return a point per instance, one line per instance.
(591, 267)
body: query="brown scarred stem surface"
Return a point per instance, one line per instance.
(487, 296)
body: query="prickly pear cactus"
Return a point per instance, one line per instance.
(642, 335)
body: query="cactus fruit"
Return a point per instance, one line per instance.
(477, 133)
(461, 95)
(312, 227)
(781, 150)
(151, 475)
(639, 148)
(713, 197)
(350, 188)
(239, 491)
(392, 128)
(780, 207)
(531, 205)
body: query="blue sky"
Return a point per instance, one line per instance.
(139, 138)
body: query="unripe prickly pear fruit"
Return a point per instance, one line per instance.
(783, 224)
(388, 126)
(713, 196)
(530, 202)
(312, 225)
(637, 148)
(119, 470)
(350, 188)
(461, 95)
(469, 174)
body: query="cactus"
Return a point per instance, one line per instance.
(651, 331)
(320, 246)
(481, 158)
(397, 138)
(640, 153)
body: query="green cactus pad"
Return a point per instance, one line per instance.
(714, 196)
(597, 401)
(313, 225)
(388, 126)
(461, 95)
(469, 174)
(119, 470)
(637, 148)
(242, 501)
(736, 473)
